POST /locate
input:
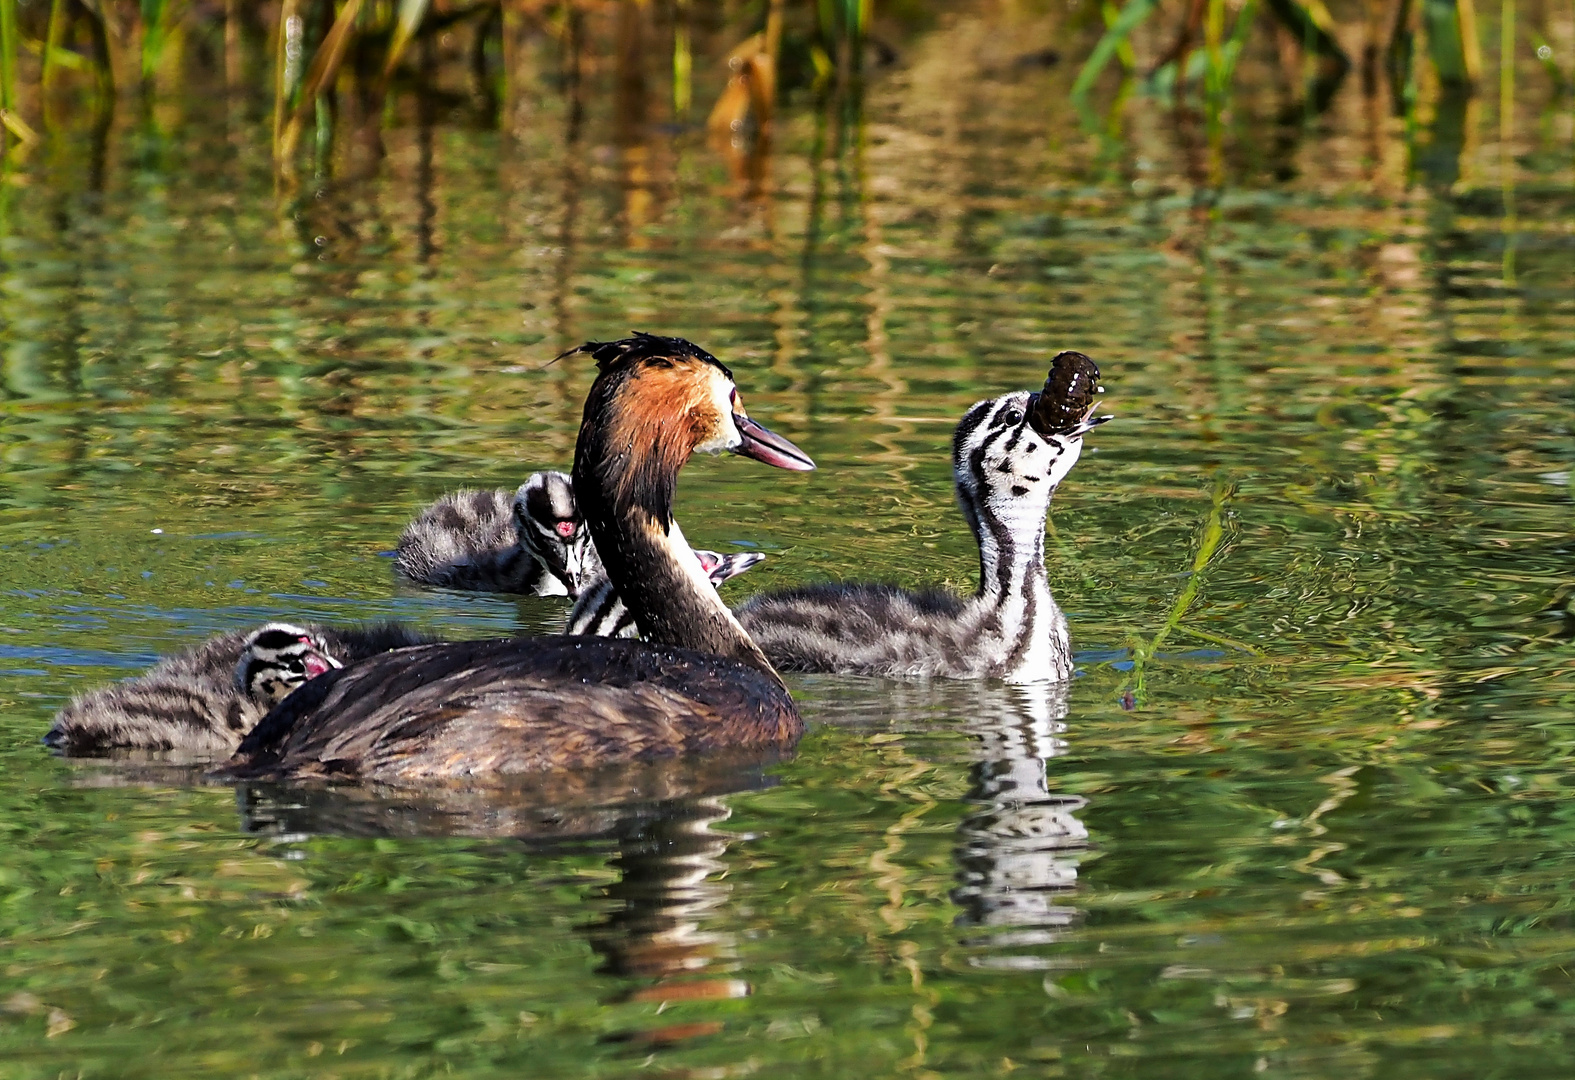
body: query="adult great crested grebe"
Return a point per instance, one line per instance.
(1008, 455)
(530, 704)
(202, 700)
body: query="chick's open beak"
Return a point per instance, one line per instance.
(763, 444)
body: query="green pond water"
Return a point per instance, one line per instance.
(1305, 812)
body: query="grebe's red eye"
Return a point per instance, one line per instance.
(565, 529)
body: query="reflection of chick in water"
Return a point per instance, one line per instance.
(667, 892)
(1016, 852)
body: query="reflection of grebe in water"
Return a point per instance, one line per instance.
(654, 925)
(1017, 853)
(668, 890)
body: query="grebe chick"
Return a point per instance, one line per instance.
(533, 704)
(202, 700)
(1008, 455)
(532, 541)
(600, 613)
(459, 543)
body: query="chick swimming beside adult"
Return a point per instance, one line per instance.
(1009, 453)
(202, 700)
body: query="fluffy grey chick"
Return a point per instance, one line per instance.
(204, 699)
(532, 540)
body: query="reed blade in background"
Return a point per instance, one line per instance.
(319, 79)
(288, 48)
(1312, 25)
(1132, 15)
(1452, 40)
(683, 61)
(411, 12)
(12, 122)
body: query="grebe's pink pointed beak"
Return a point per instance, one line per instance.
(763, 444)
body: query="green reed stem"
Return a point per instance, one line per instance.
(683, 62)
(1111, 14)
(8, 55)
(154, 14)
(287, 55)
(52, 39)
(1451, 40)
(1506, 133)
(411, 12)
(1213, 536)
(1115, 37)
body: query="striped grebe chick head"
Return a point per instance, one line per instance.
(1010, 452)
(552, 529)
(278, 657)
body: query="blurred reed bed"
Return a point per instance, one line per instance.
(329, 67)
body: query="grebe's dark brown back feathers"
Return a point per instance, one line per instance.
(632, 703)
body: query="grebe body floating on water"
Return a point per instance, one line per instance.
(529, 704)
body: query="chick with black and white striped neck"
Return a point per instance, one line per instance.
(1008, 455)
(530, 541)
(600, 611)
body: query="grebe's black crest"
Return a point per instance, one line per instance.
(643, 346)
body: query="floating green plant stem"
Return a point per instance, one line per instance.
(1213, 535)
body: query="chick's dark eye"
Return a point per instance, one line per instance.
(1013, 417)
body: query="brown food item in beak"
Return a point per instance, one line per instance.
(763, 444)
(1068, 395)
